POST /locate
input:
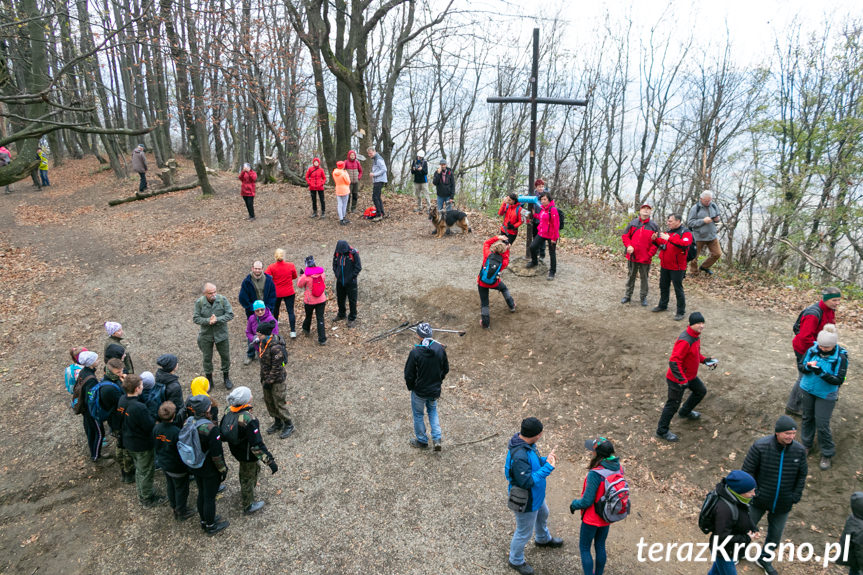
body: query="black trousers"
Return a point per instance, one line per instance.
(349, 291)
(250, 205)
(675, 395)
(377, 188)
(355, 195)
(208, 486)
(318, 310)
(484, 310)
(535, 226)
(178, 491)
(289, 305)
(95, 432)
(538, 245)
(667, 278)
(315, 195)
(143, 185)
(511, 237)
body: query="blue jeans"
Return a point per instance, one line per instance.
(526, 524)
(775, 524)
(723, 567)
(441, 202)
(43, 174)
(596, 535)
(419, 405)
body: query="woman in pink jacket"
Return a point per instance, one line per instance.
(314, 297)
(547, 231)
(247, 189)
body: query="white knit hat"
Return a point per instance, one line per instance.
(828, 336)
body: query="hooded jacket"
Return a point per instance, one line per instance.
(526, 469)
(305, 282)
(444, 183)
(274, 357)
(353, 167)
(420, 170)
(250, 445)
(828, 375)
(511, 218)
(593, 489)
(672, 252)
(780, 472)
(854, 532)
(139, 161)
(248, 294)
(248, 178)
(811, 326)
(549, 222)
(128, 366)
(342, 180)
(173, 389)
(639, 235)
(725, 525)
(379, 169)
(254, 321)
(316, 177)
(426, 368)
(346, 264)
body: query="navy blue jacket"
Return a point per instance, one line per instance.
(248, 295)
(780, 472)
(526, 469)
(346, 264)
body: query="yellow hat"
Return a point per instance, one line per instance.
(200, 386)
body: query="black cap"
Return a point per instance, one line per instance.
(603, 447)
(199, 404)
(266, 327)
(696, 317)
(531, 427)
(167, 361)
(114, 351)
(785, 423)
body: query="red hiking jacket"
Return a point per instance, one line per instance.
(685, 357)
(486, 250)
(247, 188)
(316, 177)
(511, 218)
(639, 235)
(673, 255)
(810, 327)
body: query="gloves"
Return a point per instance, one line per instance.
(572, 508)
(272, 465)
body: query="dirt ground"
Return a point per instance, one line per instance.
(351, 496)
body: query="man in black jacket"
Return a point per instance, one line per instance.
(165, 375)
(778, 464)
(425, 371)
(346, 268)
(444, 183)
(108, 398)
(165, 436)
(420, 170)
(138, 439)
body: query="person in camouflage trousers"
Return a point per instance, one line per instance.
(212, 313)
(274, 356)
(240, 429)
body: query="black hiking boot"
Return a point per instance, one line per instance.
(679, 317)
(215, 520)
(214, 528)
(314, 214)
(154, 501)
(209, 377)
(625, 299)
(692, 415)
(287, 431)
(668, 436)
(418, 444)
(523, 569)
(228, 384)
(183, 515)
(658, 309)
(127, 477)
(644, 302)
(554, 543)
(530, 265)
(277, 425)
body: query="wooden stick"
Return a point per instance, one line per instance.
(495, 434)
(137, 197)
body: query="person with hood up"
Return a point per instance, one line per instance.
(525, 470)
(547, 232)
(425, 370)
(346, 269)
(165, 375)
(201, 386)
(420, 172)
(116, 336)
(343, 192)
(274, 357)
(823, 367)
(510, 209)
(260, 315)
(638, 238)
(248, 177)
(852, 536)
(316, 177)
(498, 247)
(355, 170)
(284, 273)
(139, 165)
(732, 521)
(594, 529)
(314, 297)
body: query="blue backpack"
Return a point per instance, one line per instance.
(153, 398)
(97, 412)
(70, 376)
(491, 268)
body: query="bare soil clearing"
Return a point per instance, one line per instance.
(351, 496)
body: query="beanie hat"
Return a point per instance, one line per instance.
(830, 295)
(784, 423)
(199, 404)
(258, 304)
(266, 327)
(112, 327)
(421, 154)
(424, 330)
(310, 262)
(740, 482)
(240, 396)
(340, 165)
(828, 337)
(603, 447)
(114, 351)
(148, 380)
(696, 317)
(87, 358)
(531, 427)
(167, 361)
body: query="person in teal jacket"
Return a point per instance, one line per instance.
(525, 468)
(823, 369)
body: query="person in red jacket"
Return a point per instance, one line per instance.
(283, 274)
(510, 209)
(673, 247)
(248, 177)
(355, 170)
(495, 258)
(812, 320)
(638, 237)
(548, 231)
(316, 177)
(682, 374)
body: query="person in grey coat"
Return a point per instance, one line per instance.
(702, 221)
(139, 164)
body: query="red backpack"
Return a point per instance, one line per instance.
(318, 286)
(370, 213)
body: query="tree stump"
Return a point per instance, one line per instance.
(168, 174)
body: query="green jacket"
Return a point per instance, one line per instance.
(221, 308)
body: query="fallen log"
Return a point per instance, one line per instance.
(144, 196)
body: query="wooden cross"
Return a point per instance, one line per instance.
(533, 100)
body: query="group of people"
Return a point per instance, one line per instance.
(6, 159)
(346, 177)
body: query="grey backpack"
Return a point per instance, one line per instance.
(189, 443)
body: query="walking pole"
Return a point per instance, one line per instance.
(459, 332)
(389, 332)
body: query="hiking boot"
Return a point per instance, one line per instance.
(417, 443)
(527, 267)
(209, 377)
(214, 528)
(347, 221)
(437, 446)
(351, 322)
(512, 309)
(678, 317)
(658, 309)
(626, 299)
(554, 543)
(342, 222)
(523, 569)
(127, 477)
(322, 342)
(183, 515)
(314, 215)
(550, 277)
(293, 335)
(307, 332)
(247, 360)
(668, 436)
(254, 507)
(338, 318)
(825, 464)
(693, 415)
(644, 302)
(155, 500)
(215, 520)
(767, 567)
(708, 271)
(789, 411)
(323, 215)
(277, 425)
(228, 384)
(287, 431)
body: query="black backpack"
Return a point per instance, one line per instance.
(813, 309)
(691, 251)
(230, 427)
(707, 516)
(562, 217)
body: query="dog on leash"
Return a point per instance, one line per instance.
(443, 221)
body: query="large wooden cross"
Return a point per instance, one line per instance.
(533, 100)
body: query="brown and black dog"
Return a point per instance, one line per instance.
(444, 221)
